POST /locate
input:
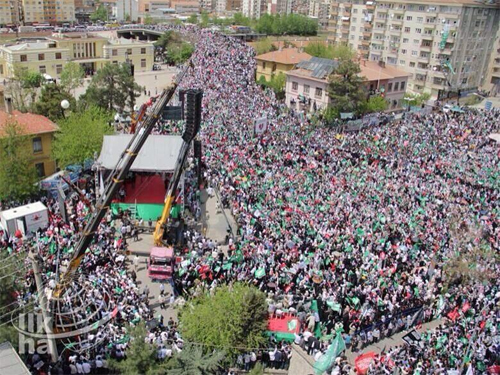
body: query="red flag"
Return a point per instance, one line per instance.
(453, 315)
(362, 362)
(465, 307)
(115, 312)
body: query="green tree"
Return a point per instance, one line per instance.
(376, 103)
(193, 18)
(141, 356)
(49, 102)
(72, 76)
(23, 88)
(100, 14)
(415, 100)
(193, 360)
(291, 24)
(148, 20)
(263, 46)
(81, 135)
(346, 87)
(113, 88)
(240, 20)
(178, 53)
(205, 19)
(17, 174)
(234, 317)
(8, 287)
(320, 49)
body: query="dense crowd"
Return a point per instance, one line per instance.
(372, 228)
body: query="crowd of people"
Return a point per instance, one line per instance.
(382, 229)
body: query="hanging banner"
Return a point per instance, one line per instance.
(260, 125)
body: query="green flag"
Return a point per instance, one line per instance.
(260, 272)
(325, 361)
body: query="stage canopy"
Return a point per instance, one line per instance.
(158, 154)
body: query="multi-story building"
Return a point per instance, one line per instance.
(126, 10)
(41, 133)
(444, 45)
(13, 12)
(320, 10)
(253, 8)
(277, 7)
(223, 7)
(49, 55)
(492, 81)
(83, 10)
(273, 63)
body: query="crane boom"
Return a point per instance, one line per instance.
(114, 181)
(193, 120)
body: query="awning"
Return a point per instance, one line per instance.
(158, 154)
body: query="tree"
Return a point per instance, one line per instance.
(17, 174)
(234, 317)
(148, 20)
(415, 100)
(23, 88)
(178, 53)
(376, 103)
(49, 102)
(346, 87)
(263, 46)
(141, 356)
(277, 84)
(8, 288)
(241, 20)
(291, 24)
(100, 14)
(81, 135)
(205, 20)
(72, 76)
(320, 49)
(193, 360)
(113, 88)
(193, 18)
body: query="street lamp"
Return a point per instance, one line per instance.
(64, 106)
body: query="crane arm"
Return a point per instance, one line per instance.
(113, 183)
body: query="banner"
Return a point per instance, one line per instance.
(412, 338)
(260, 125)
(362, 362)
(326, 360)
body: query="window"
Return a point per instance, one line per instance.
(353, 28)
(464, 81)
(420, 19)
(402, 62)
(143, 51)
(409, 18)
(41, 56)
(37, 144)
(58, 55)
(412, 64)
(274, 68)
(306, 89)
(355, 11)
(403, 51)
(406, 40)
(1, 69)
(403, 85)
(421, 8)
(418, 31)
(58, 69)
(143, 63)
(115, 62)
(407, 29)
(295, 86)
(40, 169)
(396, 86)
(42, 69)
(319, 92)
(354, 19)
(129, 51)
(114, 52)
(414, 53)
(264, 65)
(389, 87)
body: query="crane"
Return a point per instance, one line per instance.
(114, 182)
(193, 120)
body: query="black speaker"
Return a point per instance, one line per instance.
(197, 149)
(193, 114)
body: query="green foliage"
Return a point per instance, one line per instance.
(72, 76)
(113, 88)
(277, 84)
(141, 356)
(330, 114)
(345, 87)
(148, 20)
(415, 100)
(291, 24)
(257, 370)
(240, 20)
(376, 103)
(193, 360)
(193, 19)
(264, 46)
(234, 317)
(173, 49)
(49, 102)
(473, 100)
(340, 51)
(17, 174)
(100, 14)
(23, 88)
(81, 135)
(7, 290)
(205, 19)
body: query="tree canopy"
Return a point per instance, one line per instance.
(234, 317)
(80, 136)
(23, 88)
(113, 88)
(173, 48)
(276, 83)
(291, 24)
(337, 51)
(49, 102)
(100, 14)
(72, 76)
(376, 103)
(263, 46)
(195, 360)
(346, 87)
(17, 174)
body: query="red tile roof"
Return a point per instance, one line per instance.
(31, 123)
(287, 56)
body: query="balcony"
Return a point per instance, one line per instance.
(496, 63)
(382, 10)
(334, 13)
(365, 42)
(425, 48)
(427, 37)
(398, 11)
(395, 21)
(395, 31)
(367, 34)
(347, 5)
(446, 51)
(424, 58)
(367, 25)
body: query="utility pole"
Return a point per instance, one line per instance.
(42, 300)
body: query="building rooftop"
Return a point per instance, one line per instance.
(319, 67)
(74, 36)
(125, 41)
(286, 56)
(31, 123)
(372, 71)
(26, 46)
(478, 3)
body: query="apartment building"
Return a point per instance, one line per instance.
(223, 7)
(49, 55)
(14, 12)
(253, 8)
(126, 10)
(320, 10)
(445, 45)
(492, 81)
